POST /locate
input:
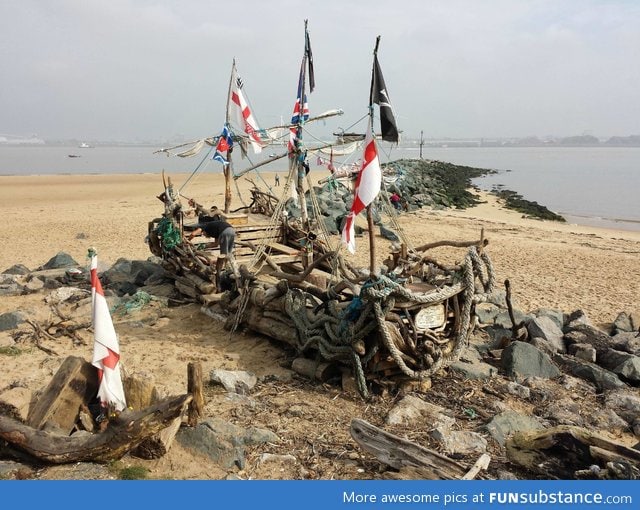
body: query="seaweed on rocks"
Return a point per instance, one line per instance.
(446, 184)
(442, 184)
(515, 201)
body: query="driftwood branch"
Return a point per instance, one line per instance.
(455, 244)
(125, 432)
(400, 453)
(518, 331)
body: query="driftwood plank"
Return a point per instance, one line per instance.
(125, 432)
(400, 453)
(75, 383)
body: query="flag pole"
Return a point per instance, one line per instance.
(299, 153)
(227, 169)
(370, 225)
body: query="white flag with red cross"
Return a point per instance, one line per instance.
(106, 351)
(367, 188)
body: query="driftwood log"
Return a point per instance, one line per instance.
(125, 432)
(418, 461)
(568, 452)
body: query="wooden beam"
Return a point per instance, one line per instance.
(75, 383)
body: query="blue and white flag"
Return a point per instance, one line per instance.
(225, 143)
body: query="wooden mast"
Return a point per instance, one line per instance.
(228, 168)
(296, 163)
(370, 225)
(299, 154)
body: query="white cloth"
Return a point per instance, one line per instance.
(106, 351)
(367, 189)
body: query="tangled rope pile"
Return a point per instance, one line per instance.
(345, 335)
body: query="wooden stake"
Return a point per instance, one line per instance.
(195, 388)
(372, 243)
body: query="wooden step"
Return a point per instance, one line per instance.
(282, 248)
(284, 259)
(237, 219)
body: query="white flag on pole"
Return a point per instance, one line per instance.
(106, 351)
(367, 188)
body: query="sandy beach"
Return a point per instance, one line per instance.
(550, 265)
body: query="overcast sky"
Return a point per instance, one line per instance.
(150, 69)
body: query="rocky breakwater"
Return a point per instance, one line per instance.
(419, 183)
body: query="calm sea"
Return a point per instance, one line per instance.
(590, 186)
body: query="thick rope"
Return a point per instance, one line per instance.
(336, 334)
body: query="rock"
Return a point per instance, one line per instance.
(602, 379)
(503, 319)
(34, 285)
(18, 269)
(462, 442)
(565, 411)
(627, 342)
(520, 359)
(11, 320)
(234, 380)
(608, 420)
(330, 224)
(625, 403)
(622, 324)
(222, 447)
(63, 294)
(629, 369)
(585, 352)
(611, 358)
(518, 390)
(411, 410)
(499, 336)
(475, 370)
(575, 318)
(544, 346)
(10, 289)
(487, 312)
(60, 260)
(555, 315)
(546, 328)
(388, 234)
(507, 423)
(144, 272)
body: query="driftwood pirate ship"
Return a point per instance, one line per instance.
(288, 279)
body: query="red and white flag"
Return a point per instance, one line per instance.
(106, 352)
(242, 114)
(367, 188)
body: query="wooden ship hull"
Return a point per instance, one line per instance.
(286, 283)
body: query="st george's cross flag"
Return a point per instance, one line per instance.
(367, 188)
(242, 114)
(106, 352)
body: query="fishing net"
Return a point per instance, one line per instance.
(168, 233)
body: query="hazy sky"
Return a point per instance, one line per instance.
(153, 69)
